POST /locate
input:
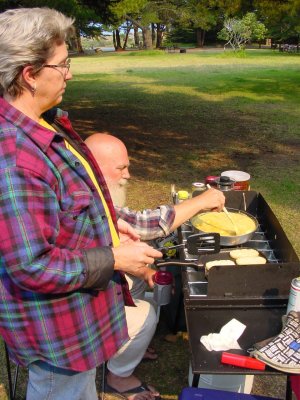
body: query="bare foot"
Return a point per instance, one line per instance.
(150, 355)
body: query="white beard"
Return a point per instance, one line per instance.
(118, 192)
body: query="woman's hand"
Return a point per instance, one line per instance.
(134, 257)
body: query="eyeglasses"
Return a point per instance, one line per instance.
(66, 66)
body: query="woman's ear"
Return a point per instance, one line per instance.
(29, 77)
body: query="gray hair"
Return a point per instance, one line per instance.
(28, 37)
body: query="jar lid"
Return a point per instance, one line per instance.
(198, 185)
(238, 176)
(183, 195)
(211, 179)
(225, 181)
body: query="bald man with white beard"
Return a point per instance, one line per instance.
(112, 157)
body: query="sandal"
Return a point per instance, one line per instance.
(143, 387)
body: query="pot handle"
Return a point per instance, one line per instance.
(162, 263)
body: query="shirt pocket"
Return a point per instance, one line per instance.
(76, 228)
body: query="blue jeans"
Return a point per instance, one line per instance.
(47, 382)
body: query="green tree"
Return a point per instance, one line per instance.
(282, 18)
(200, 16)
(238, 32)
(146, 15)
(86, 19)
(204, 15)
(134, 11)
(164, 14)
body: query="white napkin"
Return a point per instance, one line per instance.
(226, 339)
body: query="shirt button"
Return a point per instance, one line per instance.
(104, 217)
(77, 164)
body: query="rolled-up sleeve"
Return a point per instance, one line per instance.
(149, 224)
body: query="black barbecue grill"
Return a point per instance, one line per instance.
(263, 286)
(256, 295)
(269, 238)
(267, 284)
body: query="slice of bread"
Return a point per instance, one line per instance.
(238, 253)
(211, 264)
(250, 260)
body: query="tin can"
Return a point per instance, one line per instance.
(241, 179)
(294, 297)
(198, 188)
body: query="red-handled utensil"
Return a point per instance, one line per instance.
(242, 361)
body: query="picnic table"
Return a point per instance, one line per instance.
(173, 49)
(289, 48)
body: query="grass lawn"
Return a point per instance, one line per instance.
(186, 116)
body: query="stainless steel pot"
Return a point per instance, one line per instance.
(231, 240)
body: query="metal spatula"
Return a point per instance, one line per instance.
(203, 243)
(199, 243)
(231, 219)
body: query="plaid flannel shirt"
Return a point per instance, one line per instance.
(149, 224)
(52, 224)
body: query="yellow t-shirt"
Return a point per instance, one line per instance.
(114, 235)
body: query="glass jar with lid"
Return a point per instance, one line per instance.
(198, 188)
(182, 195)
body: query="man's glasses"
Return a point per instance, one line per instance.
(66, 66)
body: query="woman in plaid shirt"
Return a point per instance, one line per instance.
(62, 285)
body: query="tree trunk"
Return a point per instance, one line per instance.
(114, 39)
(72, 43)
(153, 33)
(118, 46)
(147, 38)
(159, 36)
(76, 42)
(146, 31)
(136, 36)
(200, 36)
(129, 26)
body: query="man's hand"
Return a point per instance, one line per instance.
(127, 232)
(134, 257)
(212, 199)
